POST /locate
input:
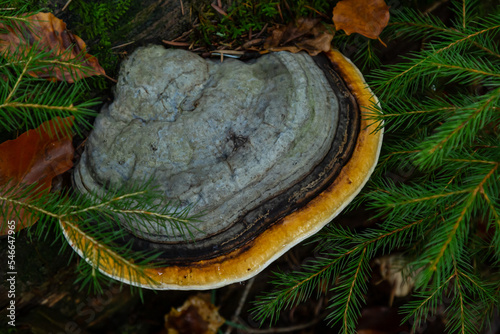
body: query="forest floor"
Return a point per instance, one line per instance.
(50, 301)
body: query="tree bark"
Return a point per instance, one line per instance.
(146, 21)
(153, 20)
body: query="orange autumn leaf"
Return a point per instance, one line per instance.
(306, 34)
(367, 18)
(44, 31)
(35, 156)
(197, 316)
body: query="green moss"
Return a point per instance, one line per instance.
(138, 16)
(95, 24)
(245, 15)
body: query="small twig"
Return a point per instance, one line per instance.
(122, 45)
(241, 303)
(66, 5)
(110, 78)
(433, 7)
(218, 9)
(196, 22)
(263, 29)
(182, 7)
(82, 144)
(229, 52)
(244, 297)
(281, 14)
(288, 7)
(184, 34)
(381, 42)
(317, 11)
(175, 43)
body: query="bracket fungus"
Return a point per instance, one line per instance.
(270, 150)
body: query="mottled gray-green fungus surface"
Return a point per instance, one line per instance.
(245, 142)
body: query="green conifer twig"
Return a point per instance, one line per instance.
(443, 136)
(26, 101)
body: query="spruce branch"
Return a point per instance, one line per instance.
(408, 77)
(103, 256)
(99, 243)
(460, 129)
(292, 288)
(348, 293)
(465, 11)
(440, 112)
(411, 24)
(468, 295)
(18, 81)
(27, 100)
(426, 302)
(461, 220)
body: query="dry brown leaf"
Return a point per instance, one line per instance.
(196, 316)
(48, 32)
(367, 18)
(35, 156)
(306, 34)
(391, 270)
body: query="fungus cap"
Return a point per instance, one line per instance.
(268, 223)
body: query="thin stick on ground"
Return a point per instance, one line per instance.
(66, 5)
(182, 7)
(241, 303)
(122, 45)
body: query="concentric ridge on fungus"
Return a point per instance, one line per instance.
(270, 150)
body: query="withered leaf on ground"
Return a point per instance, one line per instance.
(367, 18)
(306, 34)
(37, 155)
(391, 270)
(44, 31)
(196, 316)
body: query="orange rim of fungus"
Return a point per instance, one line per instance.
(242, 264)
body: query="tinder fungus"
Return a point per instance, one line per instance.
(269, 150)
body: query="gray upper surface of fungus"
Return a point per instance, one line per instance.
(224, 136)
